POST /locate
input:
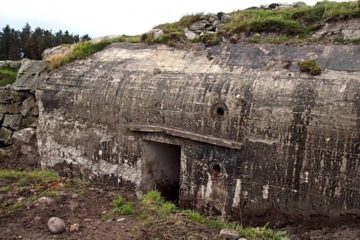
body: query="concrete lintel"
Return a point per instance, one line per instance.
(187, 135)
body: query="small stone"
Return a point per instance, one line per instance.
(37, 219)
(5, 134)
(74, 227)
(189, 34)
(12, 121)
(56, 225)
(229, 234)
(242, 239)
(27, 105)
(120, 219)
(199, 26)
(157, 32)
(24, 135)
(225, 18)
(87, 219)
(45, 200)
(179, 223)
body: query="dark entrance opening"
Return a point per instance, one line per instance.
(161, 169)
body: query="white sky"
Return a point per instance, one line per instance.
(111, 17)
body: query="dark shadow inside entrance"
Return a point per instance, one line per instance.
(161, 169)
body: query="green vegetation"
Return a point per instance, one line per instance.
(120, 206)
(264, 233)
(310, 67)
(209, 39)
(154, 202)
(40, 176)
(293, 25)
(290, 21)
(84, 49)
(7, 76)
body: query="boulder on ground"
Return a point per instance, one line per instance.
(56, 225)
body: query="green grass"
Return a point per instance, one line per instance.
(7, 76)
(121, 206)
(41, 176)
(250, 233)
(290, 21)
(291, 25)
(309, 66)
(5, 189)
(84, 49)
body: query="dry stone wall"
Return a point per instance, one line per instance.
(19, 116)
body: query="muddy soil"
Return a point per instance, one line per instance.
(89, 205)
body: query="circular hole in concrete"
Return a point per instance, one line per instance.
(216, 171)
(220, 111)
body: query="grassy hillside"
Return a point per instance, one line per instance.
(290, 25)
(7, 76)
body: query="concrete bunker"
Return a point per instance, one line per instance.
(161, 169)
(257, 139)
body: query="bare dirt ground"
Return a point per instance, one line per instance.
(23, 216)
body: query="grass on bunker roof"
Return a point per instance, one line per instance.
(291, 25)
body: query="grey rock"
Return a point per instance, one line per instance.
(30, 74)
(10, 64)
(351, 34)
(29, 121)
(24, 135)
(199, 26)
(5, 134)
(27, 106)
(225, 18)
(212, 17)
(298, 4)
(34, 111)
(157, 32)
(12, 121)
(229, 234)
(3, 108)
(216, 23)
(58, 50)
(189, 34)
(46, 200)
(13, 108)
(56, 225)
(74, 227)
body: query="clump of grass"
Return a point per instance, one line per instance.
(310, 67)
(7, 76)
(250, 233)
(84, 49)
(290, 21)
(187, 20)
(209, 39)
(154, 202)
(194, 216)
(121, 206)
(41, 176)
(5, 189)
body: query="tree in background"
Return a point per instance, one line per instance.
(27, 43)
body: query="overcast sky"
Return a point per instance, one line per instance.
(111, 17)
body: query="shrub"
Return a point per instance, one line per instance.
(310, 67)
(122, 207)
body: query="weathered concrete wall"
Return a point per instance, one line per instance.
(257, 136)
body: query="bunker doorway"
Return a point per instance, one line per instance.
(161, 169)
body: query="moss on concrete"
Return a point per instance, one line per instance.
(309, 66)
